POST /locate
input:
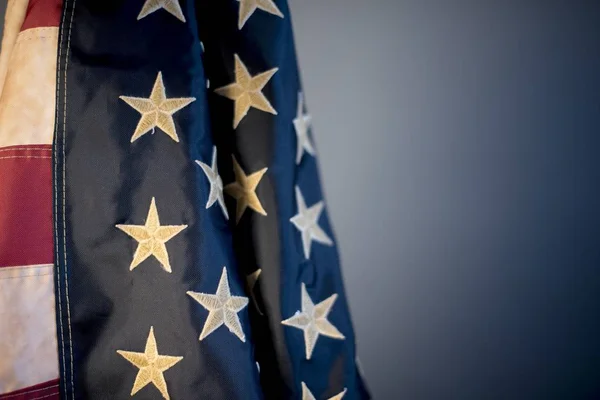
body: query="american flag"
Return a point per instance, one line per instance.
(164, 233)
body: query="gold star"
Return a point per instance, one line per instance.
(244, 190)
(251, 283)
(246, 91)
(247, 8)
(157, 110)
(151, 365)
(307, 395)
(152, 238)
(172, 6)
(223, 309)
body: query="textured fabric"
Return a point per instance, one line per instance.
(28, 98)
(46, 390)
(42, 13)
(26, 204)
(13, 20)
(28, 345)
(158, 294)
(27, 332)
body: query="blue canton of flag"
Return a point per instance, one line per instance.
(194, 253)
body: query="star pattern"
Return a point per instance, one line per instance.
(223, 309)
(246, 91)
(244, 190)
(301, 126)
(172, 6)
(307, 222)
(151, 238)
(216, 184)
(151, 366)
(157, 110)
(247, 8)
(307, 395)
(313, 321)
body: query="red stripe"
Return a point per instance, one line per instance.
(42, 13)
(47, 391)
(26, 205)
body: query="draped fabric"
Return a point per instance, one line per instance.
(164, 218)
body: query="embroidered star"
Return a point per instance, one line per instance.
(247, 8)
(172, 6)
(246, 91)
(151, 238)
(307, 222)
(313, 321)
(157, 110)
(223, 308)
(152, 366)
(216, 184)
(301, 125)
(251, 283)
(307, 395)
(244, 190)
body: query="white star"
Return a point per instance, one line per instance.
(307, 395)
(223, 308)
(313, 320)
(172, 6)
(307, 222)
(301, 125)
(216, 184)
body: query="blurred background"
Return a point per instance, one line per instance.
(459, 148)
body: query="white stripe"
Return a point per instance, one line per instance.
(13, 20)
(28, 99)
(28, 329)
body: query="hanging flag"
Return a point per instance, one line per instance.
(164, 232)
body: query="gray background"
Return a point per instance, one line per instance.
(458, 147)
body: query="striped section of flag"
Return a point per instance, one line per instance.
(29, 367)
(28, 95)
(42, 13)
(47, 390)
(26, 204)
(27, 333)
